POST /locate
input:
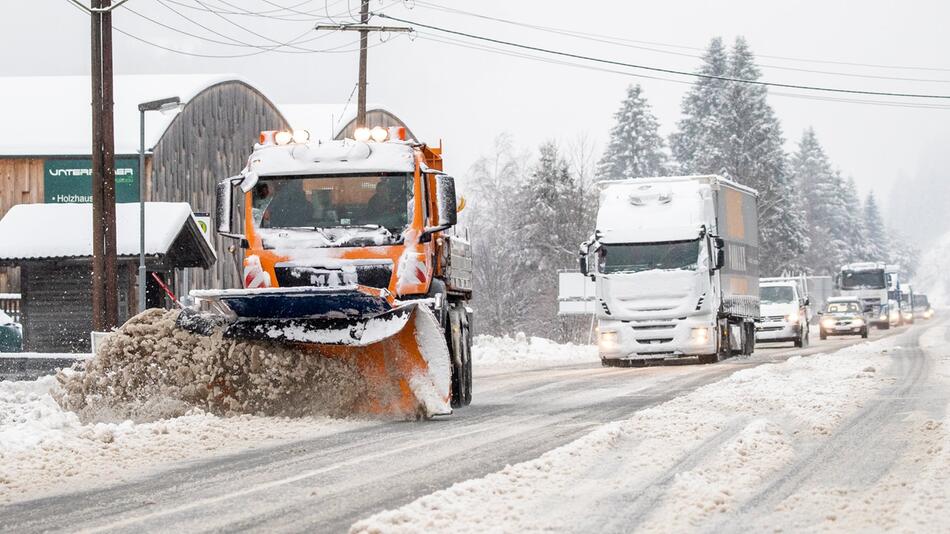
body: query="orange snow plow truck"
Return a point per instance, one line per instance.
(350, 252)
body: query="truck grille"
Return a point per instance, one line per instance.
(377, 276)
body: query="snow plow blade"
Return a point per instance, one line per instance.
(400, 350)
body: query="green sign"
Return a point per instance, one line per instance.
(69, 181)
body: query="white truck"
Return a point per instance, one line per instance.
(676, 269)
(785, 313)
(868, 282)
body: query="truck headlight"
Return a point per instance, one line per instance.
(700, 335)
(883, 316)
(607, 340)
(792, 317)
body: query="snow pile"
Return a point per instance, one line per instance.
(721, 442)
(44, 448)
(491, 350)
(151, 369)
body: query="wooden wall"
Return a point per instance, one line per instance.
(57, 303)
(211, 140)
(21, 182)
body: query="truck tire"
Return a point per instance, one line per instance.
(458, 342)
(467, 353)
(864, 333)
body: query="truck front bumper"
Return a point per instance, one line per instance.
(777, 331)
(651, 340)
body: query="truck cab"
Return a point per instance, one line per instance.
(674, 262)
(784, 313)
(870, 284)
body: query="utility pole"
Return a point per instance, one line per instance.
(364, 41)
(364, 28)
(105, 281)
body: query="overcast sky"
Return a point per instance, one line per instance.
(466, 97)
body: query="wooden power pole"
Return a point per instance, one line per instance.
(105, 301)
(364, 30)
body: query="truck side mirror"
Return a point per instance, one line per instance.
(224, 208)
(807, 301)
(720, 259)
(445, 200)
(582, 258)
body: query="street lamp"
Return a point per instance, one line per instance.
(165, 105)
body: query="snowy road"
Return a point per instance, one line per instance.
(329, 482)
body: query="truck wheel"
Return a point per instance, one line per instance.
(864, 333)
(467, 353)
(455, 337)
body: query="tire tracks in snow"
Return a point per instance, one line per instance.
(859, 452)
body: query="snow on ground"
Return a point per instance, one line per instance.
(701, 453)
(527, 351)
(46, 450)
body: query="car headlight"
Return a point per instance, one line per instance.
(858, 322)
(828, 323)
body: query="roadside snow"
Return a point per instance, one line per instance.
(523, 350)
(678, 464)
(45, 449)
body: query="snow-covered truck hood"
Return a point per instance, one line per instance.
(653, 294)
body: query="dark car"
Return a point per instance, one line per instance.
(843, 316)
(11, 337)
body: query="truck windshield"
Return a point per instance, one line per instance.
(776, 294)
(637, 257)
(376, 200)
(863, 280)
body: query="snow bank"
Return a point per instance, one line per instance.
(720, 441)
(151, 369)
(45, 449)
(491, 350)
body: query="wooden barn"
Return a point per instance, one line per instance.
(46, 132)
(51, 244)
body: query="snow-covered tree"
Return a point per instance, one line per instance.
(636, 148)
(832, 210)
(694, 145)
(877, 242)
(729, 128)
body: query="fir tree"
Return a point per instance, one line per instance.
(635, 148)
(694, 145)
(876, 247)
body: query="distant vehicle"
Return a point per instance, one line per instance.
(784, 310)
(907, 306)
(869, 283)
(894, 315)
(675, 265)
(843, 316)
(11, 334)
(922, 306)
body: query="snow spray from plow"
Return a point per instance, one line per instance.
(398, 348)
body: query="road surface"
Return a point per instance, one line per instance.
(327, 484)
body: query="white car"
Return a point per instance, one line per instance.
(784, 314)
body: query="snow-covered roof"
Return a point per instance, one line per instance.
(41, 231)
(50, 115)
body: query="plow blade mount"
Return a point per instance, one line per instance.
(400, 351)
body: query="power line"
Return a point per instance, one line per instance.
(268, 14)
(825, 98)
(664, 70)
(620, 40)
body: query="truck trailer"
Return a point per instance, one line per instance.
(676, 269)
